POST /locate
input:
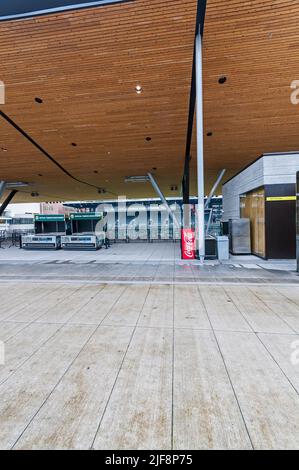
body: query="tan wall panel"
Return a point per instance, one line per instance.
(252, 206)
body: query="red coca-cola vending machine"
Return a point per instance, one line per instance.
(188, 243)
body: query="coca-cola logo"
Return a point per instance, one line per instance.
(188, 239)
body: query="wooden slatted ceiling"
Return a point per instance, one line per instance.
(255, 45)
(86, 64)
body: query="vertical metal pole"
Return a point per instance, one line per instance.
(186, 194)
(200, 232)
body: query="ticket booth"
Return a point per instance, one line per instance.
(48, 232)
(84, 234)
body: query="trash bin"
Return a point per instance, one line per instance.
(223, 248)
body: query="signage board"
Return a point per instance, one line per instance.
(86, 216)
(49, 218)
(281, 198)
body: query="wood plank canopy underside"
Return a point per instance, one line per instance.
(85, 66)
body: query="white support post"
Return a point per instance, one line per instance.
(200, 229)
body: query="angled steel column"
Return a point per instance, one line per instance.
(161, 196)
(2, 187)
(200, 232)
(213, 190)
(7, 201)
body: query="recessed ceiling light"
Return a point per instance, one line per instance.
(38, 100)
(4, 149)
(138, 89)
(95, 171)
(222, 80)
(74, 144)
(209, 134)
(40, 174)
(154, 168)
(148, 139)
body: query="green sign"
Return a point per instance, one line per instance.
(86, 216)
(49, 218)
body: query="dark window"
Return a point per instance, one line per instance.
(22, 221)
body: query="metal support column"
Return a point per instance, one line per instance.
(7, 201)
(200, 232)
(214, 188)
(186, 194)
(186, 181)
(161, 196)
(2, 187)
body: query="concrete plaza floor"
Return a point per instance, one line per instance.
(159, 355)
(139, 262)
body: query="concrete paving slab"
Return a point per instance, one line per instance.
(141, 366)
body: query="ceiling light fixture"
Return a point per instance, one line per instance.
(209, 134)
(136, 179)
(4, 149)
(74, 144)
(38, 100)
(16, 184)
(148, 139)
(138, 89)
